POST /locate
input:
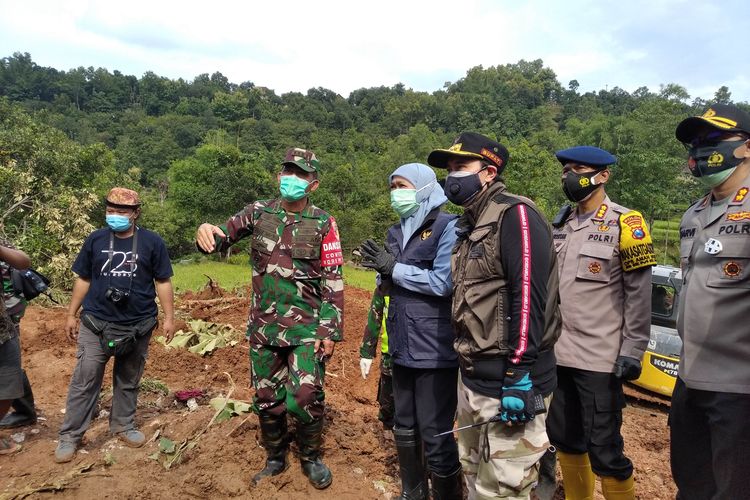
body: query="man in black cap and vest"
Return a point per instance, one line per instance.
(710, 442)
(604, 254)
(506, 320)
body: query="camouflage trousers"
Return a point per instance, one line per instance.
(385, 392)
(288, 379)
(514, 452)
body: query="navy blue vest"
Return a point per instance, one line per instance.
(420, 334)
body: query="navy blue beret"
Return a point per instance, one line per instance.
(586, 155)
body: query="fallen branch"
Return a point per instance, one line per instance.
(59, 484)
(240, 425)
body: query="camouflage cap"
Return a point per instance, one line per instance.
(302, 158)
(123, 197)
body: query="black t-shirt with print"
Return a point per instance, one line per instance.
(152, 263)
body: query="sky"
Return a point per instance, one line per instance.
(346, 45)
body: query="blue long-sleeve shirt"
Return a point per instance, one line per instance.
(436, 281)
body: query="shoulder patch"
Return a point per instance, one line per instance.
(636, 248)
(330, 251)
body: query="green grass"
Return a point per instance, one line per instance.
(153, 385)
(192, 275)
(359, 278)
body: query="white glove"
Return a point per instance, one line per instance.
(364, 366)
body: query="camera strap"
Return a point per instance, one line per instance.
(133, 256)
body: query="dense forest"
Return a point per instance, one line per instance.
(200, 150)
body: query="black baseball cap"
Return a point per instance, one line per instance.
(721, 117)
(471, 145)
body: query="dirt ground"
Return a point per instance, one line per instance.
(220, 465)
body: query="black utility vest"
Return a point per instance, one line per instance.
(420, 334)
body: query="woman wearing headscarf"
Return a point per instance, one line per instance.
(415, 262)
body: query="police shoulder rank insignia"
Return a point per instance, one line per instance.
(636, 248)
(425, 234)
(739, 197)
(601, 212)
(331, 254)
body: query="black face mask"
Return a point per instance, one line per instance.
(711, 158)
(579, 186)
(462, 188)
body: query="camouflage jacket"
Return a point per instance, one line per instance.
(7, 328)
(298, 289)
(15, 304)
(375, 324)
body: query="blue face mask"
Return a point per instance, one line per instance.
(118, 223)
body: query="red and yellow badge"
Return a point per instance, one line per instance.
(603, 228)
(740, 196)
(595, 267)
(636, 248)
(330, 251)
(732, 269)
(738, 216)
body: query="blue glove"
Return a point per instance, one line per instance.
(517, 398)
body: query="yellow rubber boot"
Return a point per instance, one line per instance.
(614, 489)
(578, 478)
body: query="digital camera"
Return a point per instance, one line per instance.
(117, 296)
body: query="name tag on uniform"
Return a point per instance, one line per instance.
(713, 246)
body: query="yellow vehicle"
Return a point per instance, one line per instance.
(662, 357)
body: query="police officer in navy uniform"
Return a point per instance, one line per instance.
(710, 440)
(604, 256)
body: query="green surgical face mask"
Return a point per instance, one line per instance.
(293, 188)
(404, 201)
(713, 180)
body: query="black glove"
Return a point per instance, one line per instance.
(376, 257)
(517, 398)
(627, 368)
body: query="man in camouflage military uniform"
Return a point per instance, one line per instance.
(11, 374)
(376, 324)
(605, 255)
(295, 313)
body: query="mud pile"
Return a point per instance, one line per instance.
(220, 465)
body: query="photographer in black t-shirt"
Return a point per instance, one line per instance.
(121, 269)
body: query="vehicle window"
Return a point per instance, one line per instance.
(662, 300)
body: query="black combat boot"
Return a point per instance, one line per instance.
(273, 437)
(24, 411)
(410, 464)
(547, 484)
(310, 441)
(448, 487)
